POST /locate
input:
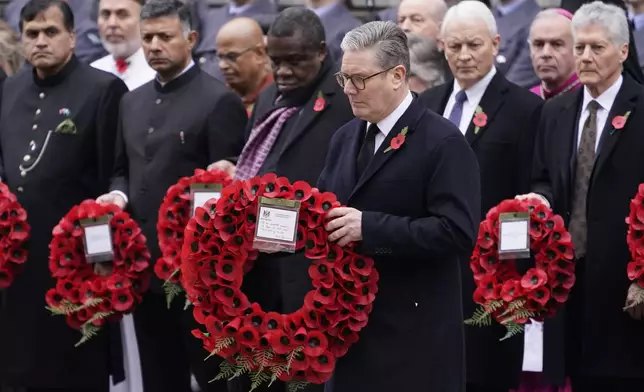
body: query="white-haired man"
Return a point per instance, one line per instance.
(118, 25)
(407, 211)
(551, 51)
(504, 153)
(587, 168)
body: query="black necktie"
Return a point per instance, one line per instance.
(367, 150)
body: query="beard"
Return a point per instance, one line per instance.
(121, 50)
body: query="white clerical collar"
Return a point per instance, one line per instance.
(186, 69)
(386, 124)
(475, 93)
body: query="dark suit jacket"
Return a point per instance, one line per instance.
(504, 151)
(420, 212)
(611, 341)
(299, 156)
(168, 131)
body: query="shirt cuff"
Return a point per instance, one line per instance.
(123, 195)
(541, 197)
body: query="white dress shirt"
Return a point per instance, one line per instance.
(138, 71)
(474, 96)
(386, 124)
(605, 100)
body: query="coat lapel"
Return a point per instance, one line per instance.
(566, 134)
(624, 102)
(309, 113)
(409, 119)
(490, 104)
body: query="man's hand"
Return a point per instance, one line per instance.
(112, 198)
(635, 294)
(536, 196)
(225, 166)
(345, 225)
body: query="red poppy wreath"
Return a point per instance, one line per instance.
(174, 215)
(86, 298)
(300, 347)
(504, 294)
(14, 234)
(635, 241)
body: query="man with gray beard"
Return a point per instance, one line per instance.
(118, 25)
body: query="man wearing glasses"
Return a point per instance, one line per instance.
(290, 128)
(242, 58)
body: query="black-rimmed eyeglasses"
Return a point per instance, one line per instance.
(359, 82)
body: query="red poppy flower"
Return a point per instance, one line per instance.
(116, 282)
(325, 202)
(511, 290)
(281, 342)
(319, 104)
(323, 363)
(540, 295)
(229, 269)
(635, 270)
(560, 293)
(300, 362)
(480, 119)
(534, 279)
(163, 268)
(397, 142)
(52, 298)
(248, 335)
(619, 122)
(122, 300)
(302, 190)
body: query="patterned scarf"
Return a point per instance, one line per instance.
(261, 141)
(266, 130)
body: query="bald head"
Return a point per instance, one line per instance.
(243, 30)
(242, 55)
(422, 17)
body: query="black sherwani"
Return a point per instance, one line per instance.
(166, 132)
(603, 342)
(420, 211)
(60, 171)
(504, 151)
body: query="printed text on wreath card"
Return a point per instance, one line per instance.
(277, 224)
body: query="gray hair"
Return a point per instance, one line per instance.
(468, 10)
(160, 8)
(610, 17)
(388, 40)
(425, 60)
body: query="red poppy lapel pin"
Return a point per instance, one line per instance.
(398, 140)
(480, 119)
(320, 103)
(619, 122)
